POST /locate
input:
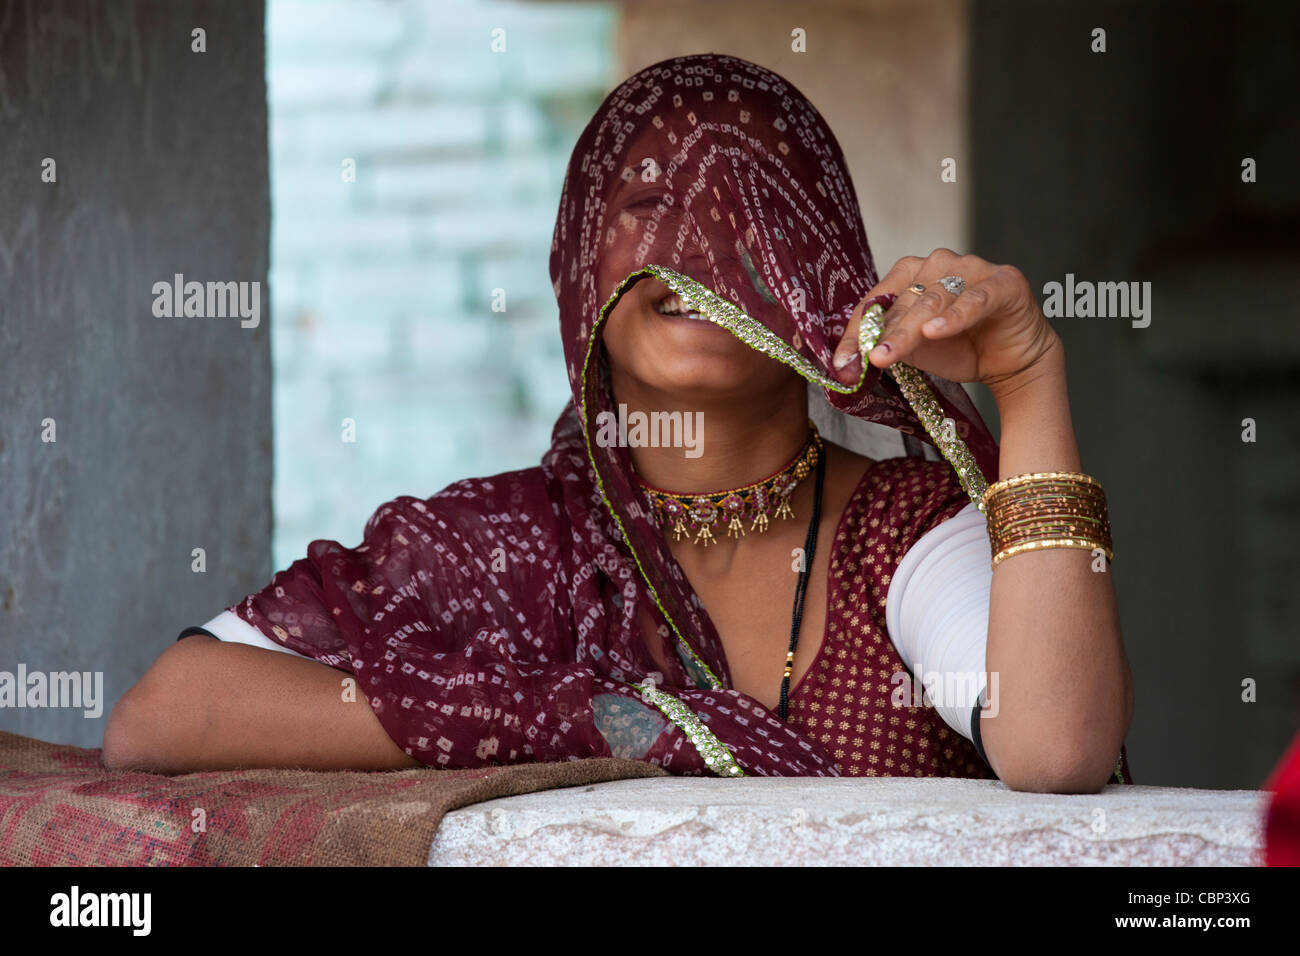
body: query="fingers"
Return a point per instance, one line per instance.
(965, 310)
(846, 360)
(996, 292)
(907, 325)
(848, 346)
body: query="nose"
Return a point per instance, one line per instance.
(697, 266)
(695, 263)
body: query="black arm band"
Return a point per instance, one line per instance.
(975, 730)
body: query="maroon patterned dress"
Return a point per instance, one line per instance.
(847, 699)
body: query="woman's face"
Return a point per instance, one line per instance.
(685, 357)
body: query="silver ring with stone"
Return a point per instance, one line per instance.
(953, 285)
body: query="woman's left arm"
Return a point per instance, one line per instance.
(1064, 690)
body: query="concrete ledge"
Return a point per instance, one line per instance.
(885, 821)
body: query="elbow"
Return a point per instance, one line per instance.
(133, 738)
(1075, 756)
(149, 727)
(1091, 779)
(123, 743)
(1081, 765)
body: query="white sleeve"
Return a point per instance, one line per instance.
(937, 614)
(228, 626)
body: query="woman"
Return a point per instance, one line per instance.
(632, 595)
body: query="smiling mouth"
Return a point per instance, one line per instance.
(674, 306)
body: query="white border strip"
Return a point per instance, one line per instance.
(233, 629)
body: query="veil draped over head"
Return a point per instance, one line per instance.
(539, 614)
(757, 206)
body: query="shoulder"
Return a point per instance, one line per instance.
(515, 497)
(906, 482)
(914, 479)
(903, 498)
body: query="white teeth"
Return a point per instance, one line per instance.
(673, 305)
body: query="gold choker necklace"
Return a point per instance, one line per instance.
(699, 513)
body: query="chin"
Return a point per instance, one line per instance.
(698, 356)
(700, 380)
(709, 370)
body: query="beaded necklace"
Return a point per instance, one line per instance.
(701, 514)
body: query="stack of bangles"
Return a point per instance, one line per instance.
(1048, 509)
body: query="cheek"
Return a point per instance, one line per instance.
(609, 273)
(617, 259)
(618, 326)
(620, 351)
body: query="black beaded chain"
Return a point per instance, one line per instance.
(809, 549)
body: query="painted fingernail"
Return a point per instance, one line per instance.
(881, 350)
(843, 360)
(935, 324)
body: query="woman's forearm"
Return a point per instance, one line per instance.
(1063, 687)
(209, 705)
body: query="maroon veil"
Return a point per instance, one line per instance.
(519, 617)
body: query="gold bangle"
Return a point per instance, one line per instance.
(1002, 542)
(1043, 544)
(1021, 526)
(1037, 477)
(1047, 509)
